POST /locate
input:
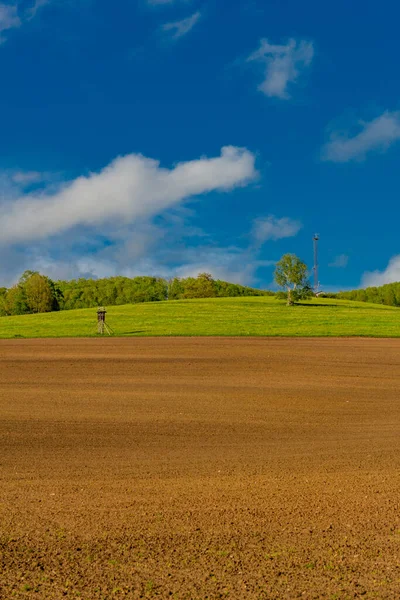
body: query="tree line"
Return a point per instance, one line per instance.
(388, 294)
(36, 293)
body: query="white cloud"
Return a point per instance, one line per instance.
(283, 65)
(390, 275)
(376, 135)
(129, 219)
(181, 28)
(8, 17)
(26, 178)
(271, 228)
(130, 189)
(232, 263)
(341, 261)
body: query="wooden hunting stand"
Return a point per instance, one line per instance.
(102, 326)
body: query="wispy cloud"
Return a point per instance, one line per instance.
(374, 136)
(178, 29)
(282, 64)
(27, 178)
(9, 18)
(389, 275)
(340, 262)
(272, 228)
(37, 5)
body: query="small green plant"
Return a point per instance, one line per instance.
(149, 587)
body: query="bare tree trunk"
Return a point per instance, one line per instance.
(289, 298)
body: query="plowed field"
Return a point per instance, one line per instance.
(200, 468)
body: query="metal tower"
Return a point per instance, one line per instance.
(315, 268)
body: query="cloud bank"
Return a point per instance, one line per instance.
(131, 218)
(131, 188)
(389, 275)
(375, 136)
(283, 65)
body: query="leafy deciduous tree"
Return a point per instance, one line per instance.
(39, 295)
(15, 301)
(291, 274)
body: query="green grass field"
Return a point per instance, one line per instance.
(253, 316)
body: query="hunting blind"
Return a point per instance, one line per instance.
(102, 326)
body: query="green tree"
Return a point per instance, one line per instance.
(175, 289)
(58, 297)
(25, 276)
(3, 294)
(389, 297)
(206, 285)
(291, 275)
(39, 295)
(15, 301)
(203, 286)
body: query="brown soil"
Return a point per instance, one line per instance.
(200, 468)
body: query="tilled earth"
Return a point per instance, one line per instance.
(200, 468)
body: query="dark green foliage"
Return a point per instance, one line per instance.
(176, 289)
(388, 294)
(15, 301)
(204, 286)
(3, 294)
(303, 293)
(87, 293)
(33, 293)
(327, 295)
(90, 293)
(57, 295)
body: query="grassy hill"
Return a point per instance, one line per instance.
(253, 316)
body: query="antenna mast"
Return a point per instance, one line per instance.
(315, 269)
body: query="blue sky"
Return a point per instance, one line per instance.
(170, 137)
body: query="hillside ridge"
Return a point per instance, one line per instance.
(245, 316)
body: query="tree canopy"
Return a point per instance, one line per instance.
(291, 274)
(37, 293)
(388, 294)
